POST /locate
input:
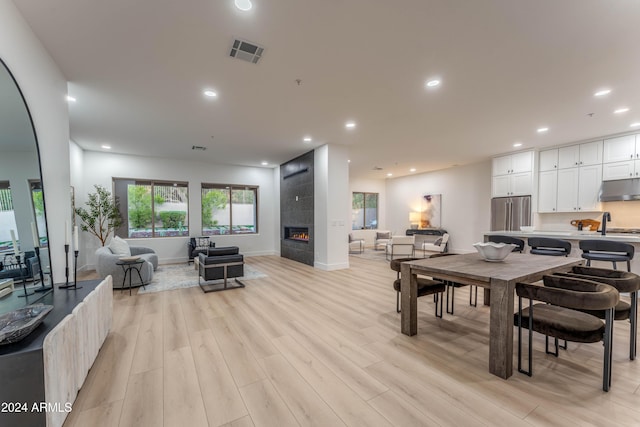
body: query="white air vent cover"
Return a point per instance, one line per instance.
(247, 51)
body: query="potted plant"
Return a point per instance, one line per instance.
(102, 215)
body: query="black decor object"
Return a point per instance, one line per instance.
(42, 287)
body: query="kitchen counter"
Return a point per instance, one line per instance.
(570, 235)
(574, 237)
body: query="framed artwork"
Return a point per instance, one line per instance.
(430, 211)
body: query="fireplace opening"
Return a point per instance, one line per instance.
(300, 234)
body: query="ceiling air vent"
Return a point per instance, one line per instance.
(198, 148)
(246, 51)
(377, 168)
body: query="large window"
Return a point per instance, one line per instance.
(37, 198)
(152, 208)
(229, 209)
(364, 211)
(7, 217)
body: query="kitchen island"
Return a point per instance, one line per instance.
(575, 237)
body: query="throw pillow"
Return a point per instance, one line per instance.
(380, 235)
(119, 247)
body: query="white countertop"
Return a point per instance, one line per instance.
(570, 235)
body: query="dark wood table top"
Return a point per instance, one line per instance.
(473, 269)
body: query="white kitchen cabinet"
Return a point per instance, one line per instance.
(621, 170)
(586, 154)
(513, 163)
(578, 189)
(547, 190)
(512, 175)
(517, 184)
(548, 160)
(622, 148)
(589, 182)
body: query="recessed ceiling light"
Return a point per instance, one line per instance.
(106, 147)
(602, 92)
(349, 161)
(243, 5)
(633, 125)
(350, 125)
(542, 130)
(307, 139)
(389, 174)
(71, 98)
(621, 110)
(518, 144)
(264, 163)
(412, 170)
(210, 93)
(433, 83)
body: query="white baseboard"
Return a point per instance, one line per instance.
(331, 267)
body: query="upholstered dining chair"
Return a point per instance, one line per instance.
(426, 286)
(559, 315)
(623, 281)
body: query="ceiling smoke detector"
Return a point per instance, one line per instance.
(198, 148)
(247, 51)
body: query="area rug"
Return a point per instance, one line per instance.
(371, 254)
(169, 277)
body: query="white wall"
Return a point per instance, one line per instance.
(44, 89)
(332, 203)
(466, 202)
(99, 168)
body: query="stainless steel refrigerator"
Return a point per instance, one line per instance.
(509, 213)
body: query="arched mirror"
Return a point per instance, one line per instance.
(24, 245)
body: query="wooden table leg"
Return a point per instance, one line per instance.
(408, 301)
(501, 328)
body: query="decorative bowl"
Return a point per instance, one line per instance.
(17, 324)
(527, 228)
(494, 252)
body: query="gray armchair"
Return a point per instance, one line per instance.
(106, 265)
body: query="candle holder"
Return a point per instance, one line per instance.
(42, 287)
(66, 270)
(24, 279)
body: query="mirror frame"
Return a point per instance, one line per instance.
(44, 198)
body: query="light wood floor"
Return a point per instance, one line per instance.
(309, 347)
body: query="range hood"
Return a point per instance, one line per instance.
(621, 189)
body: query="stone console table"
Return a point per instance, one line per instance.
(50, 365)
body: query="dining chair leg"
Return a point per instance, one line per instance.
(528, 372)
(633, 318)
(453, 290)
(474, 302)
(608, 335)
(397, 302)
(439, 298)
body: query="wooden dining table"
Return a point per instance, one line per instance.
(499, 277)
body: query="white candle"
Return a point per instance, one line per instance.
(15, 244)
(34, 232)
(66, 232)
(75, 238)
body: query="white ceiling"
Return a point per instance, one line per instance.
(138, 69)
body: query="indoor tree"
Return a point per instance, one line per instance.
(102, 215)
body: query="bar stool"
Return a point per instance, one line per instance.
(547, 246)
(607, 250)
(508, 239)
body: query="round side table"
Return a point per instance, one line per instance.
(129, 267)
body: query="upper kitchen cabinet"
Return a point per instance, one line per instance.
(513, 163)
(548, 160)
(577, 190)
(512, 175)
(620, 149)
(586, 154)
(621, 158)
